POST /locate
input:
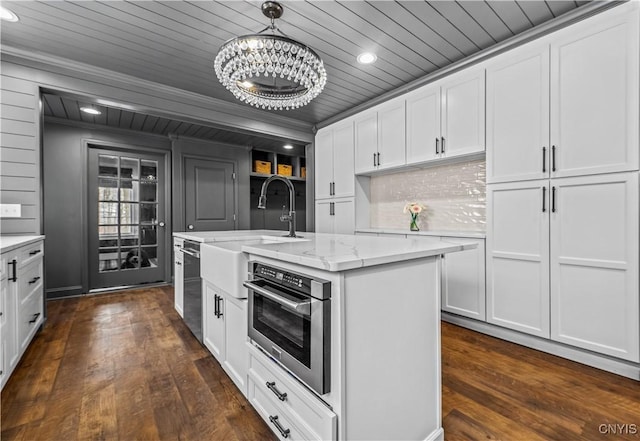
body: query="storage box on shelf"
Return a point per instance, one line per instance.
(265, 164)
(22, 302)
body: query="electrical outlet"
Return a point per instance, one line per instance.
(10, 210)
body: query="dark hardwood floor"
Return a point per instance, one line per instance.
(123, 366)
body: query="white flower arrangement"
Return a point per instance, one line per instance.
(414, 209)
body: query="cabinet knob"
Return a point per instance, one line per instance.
(190, 227)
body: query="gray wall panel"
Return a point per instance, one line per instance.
(64, 176)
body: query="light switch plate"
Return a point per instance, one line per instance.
(10, 210)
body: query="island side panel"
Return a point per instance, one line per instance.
(392, 352)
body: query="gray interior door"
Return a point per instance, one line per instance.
(209, 198)
(127, 233)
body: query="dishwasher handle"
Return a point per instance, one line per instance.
(301, 307)
(190, 252)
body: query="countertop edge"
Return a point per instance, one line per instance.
(17, 242)
(445, 233)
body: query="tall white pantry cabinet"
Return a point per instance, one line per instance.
(562, 193)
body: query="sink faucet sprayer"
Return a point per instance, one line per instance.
(291, 217)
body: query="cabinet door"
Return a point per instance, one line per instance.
(324, 217)
(343, 151)
(594, 95)
(423, 124)
(463, 124)
(366, 140)
(518, 256)
(237, 358)
(594, 264)
(178, 283)
(344, 221)
(463, 280)
(324, 163)
(213, 326)
(391, 134)
(518, 115)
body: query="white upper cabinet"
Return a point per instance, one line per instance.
(380, 137)
(594, 95)
(518, 115)
(366, 142)
(594, 263)
(423, 124)
(324, 163)
(463, 115)
(391, 134)
(334, 150)
(447, 118)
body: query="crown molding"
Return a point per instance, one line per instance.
(221, 107)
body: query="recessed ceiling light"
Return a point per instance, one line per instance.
(7, 15)
(90, 110)
(288, 146)
(367, 58)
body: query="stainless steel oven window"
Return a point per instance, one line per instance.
(287, 329)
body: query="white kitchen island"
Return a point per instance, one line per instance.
(385, 338)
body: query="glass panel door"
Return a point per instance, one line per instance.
(125, 201)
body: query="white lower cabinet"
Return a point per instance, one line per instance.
(276, 395)
(178, 276)
(562, 261)
(463, 280)
(518, 256)
(225, 332)
(594, 264)
(21, 303)
(335, 216)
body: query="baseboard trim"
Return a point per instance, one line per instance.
(616, 366)
(65, 291)
(436, 435)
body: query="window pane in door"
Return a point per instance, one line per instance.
(148, 191)
(107, 213)
(129, 213)
(106, 243)
(129, 168)
(148, 235)
(108, 166)
(147, 213)
(129, 191)
(149, 171)
(107, 189)
(129, 258)
(129, 241)
(108, 259)
(149, 257)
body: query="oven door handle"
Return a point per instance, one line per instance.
(190, 253)
(302, 307)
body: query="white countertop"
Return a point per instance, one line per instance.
(226, 236)
(444, 233)
(8, 243)
(333, 252)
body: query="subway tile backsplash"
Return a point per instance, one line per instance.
(455, 196)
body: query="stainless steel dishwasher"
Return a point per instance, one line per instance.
(192, 288)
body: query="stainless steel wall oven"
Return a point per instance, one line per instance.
(290, 319)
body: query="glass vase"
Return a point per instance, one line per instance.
(414, 223)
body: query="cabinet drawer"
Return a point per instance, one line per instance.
(272, 414)
(30, 253)
(29, 279)
(307, 411)
(29, 318)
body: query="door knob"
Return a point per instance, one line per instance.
(190, 227)
(161, 224)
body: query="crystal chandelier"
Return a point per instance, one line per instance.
(270, 71)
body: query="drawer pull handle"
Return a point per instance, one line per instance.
(35, 317)
(272, 387)
(34, 280)
(14, 264)
(34, 252)
(284, 432)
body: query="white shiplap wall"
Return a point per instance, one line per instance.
(20, 153)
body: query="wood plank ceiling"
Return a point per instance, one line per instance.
(174, 42)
